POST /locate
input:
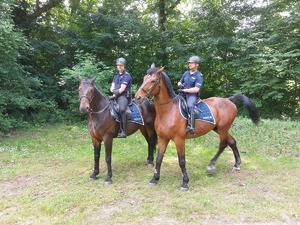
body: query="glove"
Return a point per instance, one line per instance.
(111, 97)
(180, 91)
(116, 93)
(181, 86)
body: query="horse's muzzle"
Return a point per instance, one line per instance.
(85, 110)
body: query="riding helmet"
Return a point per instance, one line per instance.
(121, 61)
(195, 59)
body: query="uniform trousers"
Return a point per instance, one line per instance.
(191, 100)
(122, 101)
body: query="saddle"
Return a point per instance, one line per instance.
(202, 111)
(184, 107)
(114, 109)
(133, 113)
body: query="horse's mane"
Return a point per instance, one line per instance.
(100, 91)
(168, 84)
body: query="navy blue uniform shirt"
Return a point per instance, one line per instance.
(192, 80)
(124, 78)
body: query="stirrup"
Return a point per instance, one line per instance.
(121, 134)
(190, 129)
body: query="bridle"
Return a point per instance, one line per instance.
(153, 86)
(90, 100)
(84, 96)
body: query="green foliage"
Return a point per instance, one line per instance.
(85, 66)
(246, 48)
(14, 92)
(267, 63)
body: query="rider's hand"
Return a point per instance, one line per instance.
(181, 86)
(116, 92)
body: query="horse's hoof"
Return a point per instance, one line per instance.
(92, 178)
(151, 184)
(211, 169)
(235, 169)
(107, 183)
(183, 188)
(150, 165)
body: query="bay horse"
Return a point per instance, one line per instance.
(170, 124)
(104, 128)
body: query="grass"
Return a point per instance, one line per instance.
(44, 175)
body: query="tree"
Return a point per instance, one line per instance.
(267, 65)
(26, 12)
(15, 93)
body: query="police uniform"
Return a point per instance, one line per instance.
(189, 81)
(124, 98)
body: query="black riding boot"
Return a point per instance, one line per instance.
(123, 127)
(191, 125)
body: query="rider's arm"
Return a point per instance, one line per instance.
(196, 89)
(112, 87)
(193, 90)
(122, 88)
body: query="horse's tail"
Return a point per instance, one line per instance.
(253, 113)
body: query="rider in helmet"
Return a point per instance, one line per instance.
(190, 84)
(121, 89)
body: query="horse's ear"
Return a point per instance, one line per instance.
(80, 78)
(93, 79)
(152, 65)
(160, 70)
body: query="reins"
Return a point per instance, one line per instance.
(159, 104)
(102, 110)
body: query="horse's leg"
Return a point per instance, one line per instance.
(232, 144)
(162, 146)
(150, 137)
(180, 147)
(108, 150)
(151, 140)
(97, 148)
(222, 145)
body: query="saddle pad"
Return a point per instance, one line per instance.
(135, 117)
(204, 112)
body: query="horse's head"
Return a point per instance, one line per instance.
(150, 85)
(86, 93)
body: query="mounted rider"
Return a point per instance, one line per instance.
(121, 89)
(190, 84)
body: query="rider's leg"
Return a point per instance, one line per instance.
(123, 102)
(191, 101)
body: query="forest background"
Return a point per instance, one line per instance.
(248, 47)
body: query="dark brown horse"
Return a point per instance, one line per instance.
(170, 125)
(103, 127)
